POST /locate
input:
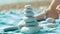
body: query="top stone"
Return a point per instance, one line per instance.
(28, 6)
(28, 11)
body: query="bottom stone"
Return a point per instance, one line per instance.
(30, 30)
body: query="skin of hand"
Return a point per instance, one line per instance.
(51, 12)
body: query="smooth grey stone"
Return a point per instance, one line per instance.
(10, 29)
(50, 20)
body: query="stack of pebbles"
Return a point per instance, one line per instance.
(31, 25)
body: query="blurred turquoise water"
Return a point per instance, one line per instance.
(12, 18)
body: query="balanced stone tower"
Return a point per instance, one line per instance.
(31, 25)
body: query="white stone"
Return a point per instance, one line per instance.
(20, 24)
(31, 19)
(31, 24)
(30, 30)
(51, 25)
(28, 14)
(28, 10)
(43, 22)
(50, 20)
(28, 6)
(42, 25)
